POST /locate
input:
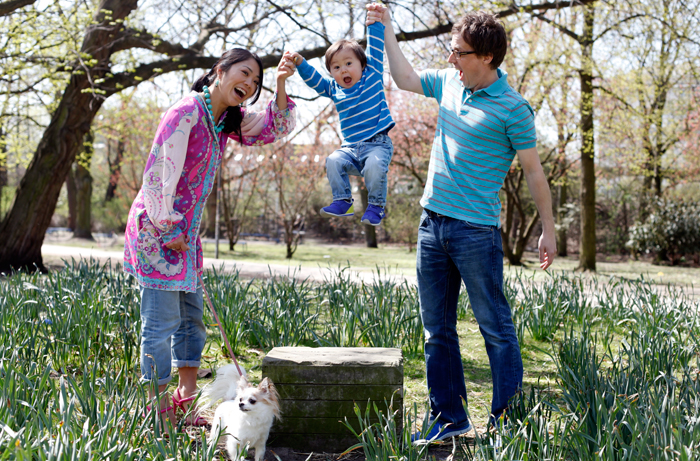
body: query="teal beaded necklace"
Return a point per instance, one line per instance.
(207, 99)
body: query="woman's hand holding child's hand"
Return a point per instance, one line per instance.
(296, 57)
(286, 67)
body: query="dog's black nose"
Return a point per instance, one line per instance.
(241, 404)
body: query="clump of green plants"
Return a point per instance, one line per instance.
(671, 232)
(627, 386)
(625, 354)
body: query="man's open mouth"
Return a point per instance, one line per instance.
(347, 80)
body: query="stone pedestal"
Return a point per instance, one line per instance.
(319, 387)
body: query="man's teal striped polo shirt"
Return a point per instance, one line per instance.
(476, 138)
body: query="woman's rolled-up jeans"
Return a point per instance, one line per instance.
(172, 332)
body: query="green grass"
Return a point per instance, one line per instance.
(316, 254)
(614, 353)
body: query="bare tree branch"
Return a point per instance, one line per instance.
(133, 38)
(301, 26)
(12, 5)
(517, 9)
(197, 61)
(558, 26)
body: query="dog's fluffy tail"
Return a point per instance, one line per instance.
(224, 387)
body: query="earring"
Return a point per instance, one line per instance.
(217, 82)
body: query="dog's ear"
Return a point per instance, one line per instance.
(243, 383)
(265, 385)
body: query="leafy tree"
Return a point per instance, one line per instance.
(119, 48)
(537, 69)
(645, 121)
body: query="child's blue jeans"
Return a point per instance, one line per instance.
(172, 332)
(369, 159)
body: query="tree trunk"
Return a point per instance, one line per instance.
(562, 236)
(3, 159)
(9, 6)
(370, 231)
(587, 255)
(115, 170)
(22, 231)
(71, 193)
(3, 170)
(83, 187)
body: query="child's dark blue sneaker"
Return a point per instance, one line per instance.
(440, 432)
(338, 208)
(373, 215)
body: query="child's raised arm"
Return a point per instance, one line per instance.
(402, 72)
(310, 75)
(375, 47)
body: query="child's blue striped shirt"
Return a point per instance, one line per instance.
(362, 109)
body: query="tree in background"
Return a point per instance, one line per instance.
(83, 189)
(241, 175)
(115, 50)
(690, 144)
(537, 69)
(126, 129)
(648, 97)
(416, 119)
(293, 172)
(566, 23)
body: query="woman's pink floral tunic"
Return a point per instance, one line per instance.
(179, 176)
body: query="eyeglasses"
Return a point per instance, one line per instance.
(460, 54)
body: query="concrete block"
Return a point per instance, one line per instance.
(319, 387)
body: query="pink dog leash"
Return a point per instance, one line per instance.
(218, 322)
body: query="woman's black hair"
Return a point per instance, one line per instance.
(234, 116)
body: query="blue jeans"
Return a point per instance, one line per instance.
(369, 159)
(172, 332)
(451, 251)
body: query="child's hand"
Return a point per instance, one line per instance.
(286, 67)
(296, 58)
(376, 12)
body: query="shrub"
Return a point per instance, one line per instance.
(671, 232)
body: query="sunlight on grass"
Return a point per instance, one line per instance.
(610, 351)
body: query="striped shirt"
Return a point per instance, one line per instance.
(476, 138)
(362, 108)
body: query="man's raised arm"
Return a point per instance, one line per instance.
(401, 70)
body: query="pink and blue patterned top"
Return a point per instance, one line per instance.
(179, 176)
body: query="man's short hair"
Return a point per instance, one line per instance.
(341, 45)
(485, 33)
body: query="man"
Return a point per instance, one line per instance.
(482, 124)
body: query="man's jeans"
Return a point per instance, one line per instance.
(449, 251)
(369, 159)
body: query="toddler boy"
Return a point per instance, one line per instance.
(358, 93)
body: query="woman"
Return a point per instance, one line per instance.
(162, 247)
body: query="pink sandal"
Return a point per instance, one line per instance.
(164, 410)
(179, 403)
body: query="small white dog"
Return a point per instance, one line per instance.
(245, 416)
